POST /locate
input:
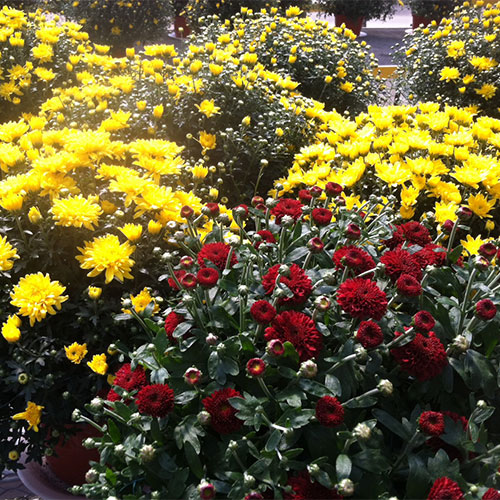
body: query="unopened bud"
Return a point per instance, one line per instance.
(362, 432)
(385, 387)
(147, 453)
(460, 344)
(346, 487)
(275, 348)
(308, 369)
(211, 339)
(322, 303)
(91, 476)
(313, 469)
(204, 417)
(206, 490)
(192, 376)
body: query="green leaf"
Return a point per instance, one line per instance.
(193, 460)
(297, 254)
(292, 395)
(332, 383)
(418, 478)
(122, 409)
(314, 388)
(181, 330)
(111, 477)
(187, 432)
(273, 441)
(371, 460)
(455, 254)
(177, 484)
(161, 342)
(391, 423)
(343, 466)
(230, 366)
(290, 352)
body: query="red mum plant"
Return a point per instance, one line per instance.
(431, 255)
(156, 400)
(172, 321)
(128, 379)
(263, 312)
(222, 415)
(265, 237)
(217, 254)
(355, 258)
(321, 216)
(207, 277)
(304, 488)
(362, 298)
(329, 411)
(179, 274)
(423, 321)
(486, 310)
(287, 206)
(398, 262)
(369, 334)
(408, 285)
(491, 494)
(412, 233)
(444, 487)
(297, 281)
(432, 423)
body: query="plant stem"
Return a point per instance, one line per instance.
(463, 309)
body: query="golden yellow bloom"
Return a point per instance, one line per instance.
(12, 202)
(43, 52)
(154, 227)
(7, 253)
(483, 63)
(199, 172)
(10, 329)
(487, 91)
(142, 300)
(208, 141)
(32, 415)
(449, 74)
(208, 108)
(472, 245)
(98, 364)
(279, 132)
(76, 352)
(215, 69)
(158, 111)
(480, 205)
(94, 292)
(36, 295)
(76, 211)
(105, 253)
(347, 87)
(34, 215)
(141, 105)
(132, 231)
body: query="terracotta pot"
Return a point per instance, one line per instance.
(70, 461)
(418, 20)
(353, 23)
(181, 28)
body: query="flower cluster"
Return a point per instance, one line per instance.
(432, 9)
(455, 61)
(435, 159)
(318, 348)
(369, 9)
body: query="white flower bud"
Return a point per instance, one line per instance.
(211, 339)
(91, 476)
(308, 369)
(204, 417)
(96, 404)
(460, 343)
(346, 487)
(147, 453)
(385, 387)
(362, 432)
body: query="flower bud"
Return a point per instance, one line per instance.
(211, 339)
(120, 450)
(91, 476)
(313, 469)
(254, 495)
(192, 376)
(287, 221)
(464, 213)
(206, 490)
(333, 189)
(187, 212)
(204, 417)
(284, 270)
(186, 262)
(322, 303)
(316, 191)
(275, 348)
(361, 353)
(353, 232)
(89, 443)
(488, 250)
(243, 290)
(362, 432)
(257, 200)
(256, 367)
(96, 404)
(460, 344)
(385, 387)
(447, 226)
(167, 257)
(481, 263)
(308, 369)
(346, 487)
(23, 378)
(75, 416)
(481, 403)
(315, 245)
(147, 453)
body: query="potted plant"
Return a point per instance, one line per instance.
(425, 11)
(353, 13)
(181, 27)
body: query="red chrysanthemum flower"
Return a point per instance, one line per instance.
(305, 195)
(369, 334)
(156, 400)
(207, 277)
(128, 379)
(409, 286)
(398, 262)
(431, 255)
(298, 282)
(354, 258)
(179, 274)
(488, 250)
(256, 367)
(333, 189)
(423, 321)
(287, 206)
(445, 488)
(457, 418)
(432, 423)
(362, 298)
(217, 253)
(423, 357)
(412, 232)
(486, 310)
(329, 411)
(172, 321)
(491, 494)
(223, 415)
(211, 209)
(189, 281)
(304, 489)
(113, 396)
(300, 330)
(263, 312)
(353, 232)
(267, 237)
(436, 443)
(322, 216)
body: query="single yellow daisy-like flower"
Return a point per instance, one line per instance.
(32, 415)
(107, 254)
(208, 141)
(154, 227)
(76, 211)
(472, 245)
(7, 253)
(94, 292)
(10, 329)
(449, 74)
(199, 172)
(132, 231)
(480, 205)
(98, 364)
(208, 108)
(142, 300)
(487, 91)
(34, 215)
(76, 352)
(36, 295)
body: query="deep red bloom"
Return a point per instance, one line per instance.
(457, 418)
(189, 281)
(217, 253)
(464, 213)
(423, 357)
(113, 396)
(432, 423)
(398, 262)
(447, 226)
(298, 282)
(256, 367)
(305, 489)
(179, 274)
(333, 189)
(322, 216)
(369, 334)
(187, 212)
(287, 206)
(436, 443)
(207, 277)
(267, 237)
(263, 312)
(305, 195)
(223, 415)
(409, 286)
(354, 258)
(353, 232)
(445, 489)
(211, 209)
(431, 255)
(485, 309)
(315, 245)
(156, 400)
(412, 232)
(300, 330)
(172, 321)
(488, 250)
(491, 494)
(130, 380)
(329, 411)
(423, 321)
(362, 298)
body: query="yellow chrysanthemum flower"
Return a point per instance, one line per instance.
(94, 292)
(76, 211)
(208, 141)
(10, 329)
(76, 352)
(105, 253)
(7, 253)
(132, 231)
(208, 108)
(449, 74)
(154, 227)
(36, 295)
(98, 364)
(142, 300)
(32, 414)
(34, 215)
(480, 205)
(487, 91)
(472, 245)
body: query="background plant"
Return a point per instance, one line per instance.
(433, 9)
(369, 9)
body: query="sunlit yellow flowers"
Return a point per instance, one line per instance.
(472, 245)
(106, 254)
(142, 300)
(154, 227)
(76, 211)
(158, 111)
(10, 329)
(449, 74)
(94, 292)
(480, 205)
(36, 295)
(7, 254)
(208, 141)
(98, 364)
(132, 231)
(76, 352)
(32, 414)
(487, 91)
(34, 215)
(208, 108)
(199, 172)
